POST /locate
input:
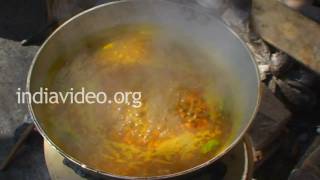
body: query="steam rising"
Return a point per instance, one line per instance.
(139, 58)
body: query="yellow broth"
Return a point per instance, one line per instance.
(183, 121)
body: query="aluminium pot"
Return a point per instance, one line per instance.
(190, 18)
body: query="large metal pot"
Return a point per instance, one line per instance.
(190, 18)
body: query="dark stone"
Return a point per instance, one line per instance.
(244, 5)
(303, 76)
(281, 63)
(296, 96)
(309, 165)
(270, 120)
(302, 174)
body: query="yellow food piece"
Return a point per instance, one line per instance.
(130, 48)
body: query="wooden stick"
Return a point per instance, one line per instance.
(27, 131)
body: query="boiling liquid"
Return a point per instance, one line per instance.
(182, 122)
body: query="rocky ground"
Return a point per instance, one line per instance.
(18, 21)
